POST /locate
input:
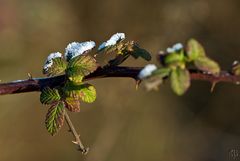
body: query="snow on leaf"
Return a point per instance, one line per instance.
(112, 41)
(147, 71)
(54, 64)
(175, 48)
(102, 46)
(75, 49)
(49, 61)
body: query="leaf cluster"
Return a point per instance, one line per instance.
(71, 93)
(77, 65)
(177, 61)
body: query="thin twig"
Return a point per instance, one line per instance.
(76, 135)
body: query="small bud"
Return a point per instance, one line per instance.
(236, 68)
(235, 63)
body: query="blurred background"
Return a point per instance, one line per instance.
(123, 124)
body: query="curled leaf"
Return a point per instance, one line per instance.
(130, 48)
(180, 80)
(139, 52)
(55, 117)
(72, 104)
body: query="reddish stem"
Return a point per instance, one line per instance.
(36, 84)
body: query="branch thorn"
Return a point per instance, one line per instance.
(213, 86)
(138, 81)
(29, 76)
(75, 142)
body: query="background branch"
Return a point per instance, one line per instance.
(36, 84)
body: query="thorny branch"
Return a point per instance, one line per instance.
(36, 84)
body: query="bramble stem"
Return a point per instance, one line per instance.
(76, 135)
(36, 84)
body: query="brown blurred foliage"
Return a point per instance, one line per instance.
(123, 124)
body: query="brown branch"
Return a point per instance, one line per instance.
(76, 135)
(36, 84)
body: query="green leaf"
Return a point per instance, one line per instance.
(88, 93)
(84, 91)
(55, 117)
(161, 72)
(72, 104)
(156, 78)
(195, 49)
(58, 66)
(49, 96)
(180, 80)
(174, 59)
(139, 52)
(81, 66)
(206, 64)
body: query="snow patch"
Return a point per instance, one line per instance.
(112, 41)
(49, 61)
(147, 71)
(75, 49)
